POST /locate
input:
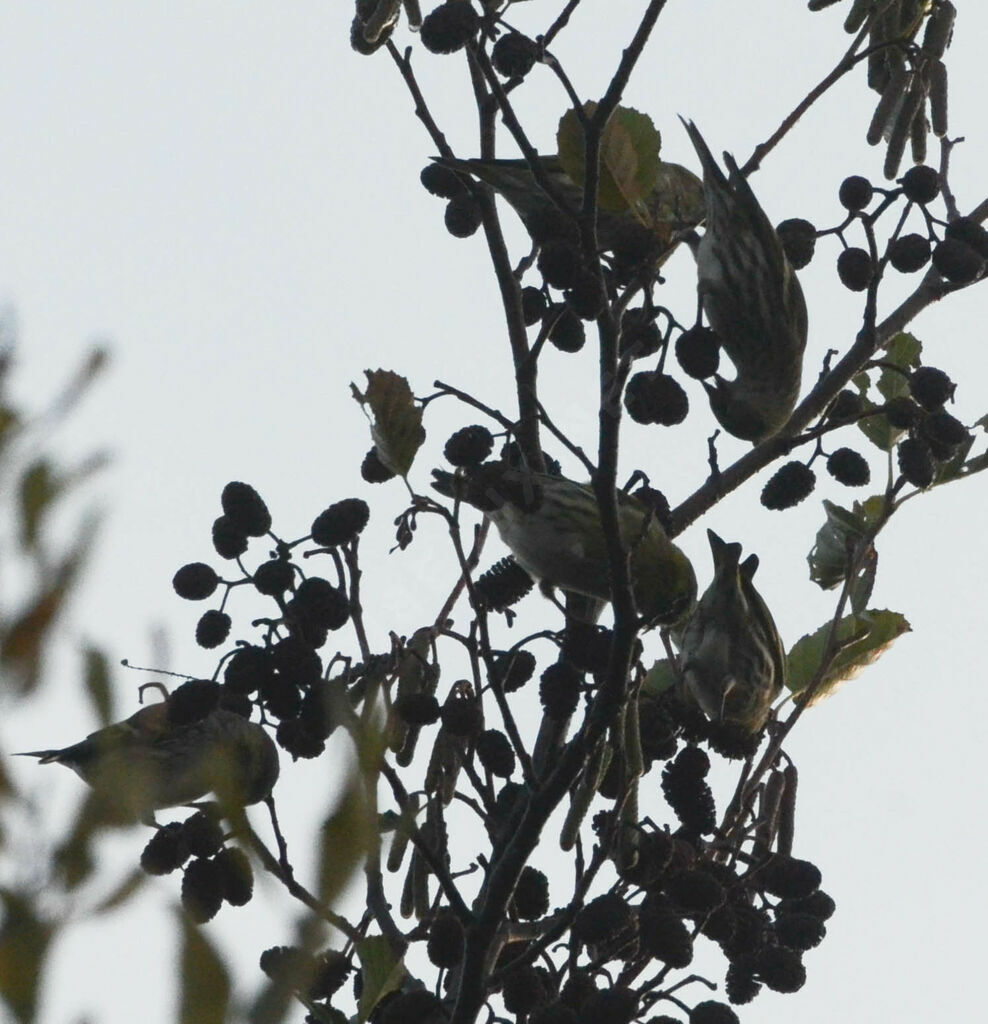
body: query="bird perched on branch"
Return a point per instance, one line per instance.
(732, 662)
(753, 301)
(674, 204)
(146, 763)
(552, 526)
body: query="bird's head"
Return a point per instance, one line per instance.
(743, 414)
(663, 580)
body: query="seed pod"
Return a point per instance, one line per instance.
(787, 812)
(921, 184)
(939, 29)
(856, 16)
(879, 72)
(768, 813)
(912, 106)
(883, 60)
(406, 906)
(634, 760)
(918, 131)
(629, 834)
(937, 82)
(583, 794)
(402, 833)
(414, 14)
(888, 105)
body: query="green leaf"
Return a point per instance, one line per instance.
(41, 487)
(956, 467)
(629, 157)
(877, 428)
(396, 420)
(38, 488)
(130, 886)
(346, 836)
(273, 1002)
(7, 789)
(902, 355)
(381, 970)
(840, 535)
(861, 640)
(861, 586)
(23, 642)
(23, 639)
(571, 145)
(828, 557)
(205, 994)
(10, 421)
(24, 942)
(903, 351)
(74, 859)
(92, 365)
(96, 677)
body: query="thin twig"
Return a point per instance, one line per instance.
(572, 448)
(930, 290)
(283, 872)
(404, 64)
(561, 21)
(847, 63)
(356, 609)
(468, 399)
(436, 866)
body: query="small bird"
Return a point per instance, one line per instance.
(732, 662)
(753, 301)
(674, 204)
(146, 763)
(552, 526)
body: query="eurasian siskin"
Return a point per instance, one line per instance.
(146, 762)
(732, 662)
(752, 299)
(674, 204)
(552, 526)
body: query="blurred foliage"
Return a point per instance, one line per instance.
(205, 994)
(33, 488)
(42, 569)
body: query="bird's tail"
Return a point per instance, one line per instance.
(712, 174)
(727, 557)
(44, 756)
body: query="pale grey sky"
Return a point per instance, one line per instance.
(230, 195)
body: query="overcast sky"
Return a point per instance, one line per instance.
(228, 195)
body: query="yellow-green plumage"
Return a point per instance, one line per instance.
(752, 299)
(146, 763)
(732, 662)
(674, 204)
(552, 526)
